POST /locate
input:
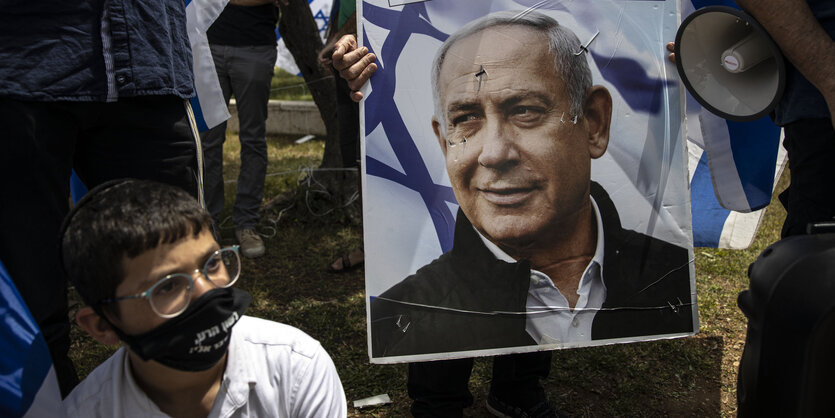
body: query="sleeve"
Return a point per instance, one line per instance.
(318, 390)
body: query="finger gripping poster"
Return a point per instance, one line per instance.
(525, 183)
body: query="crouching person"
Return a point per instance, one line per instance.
(142, 256)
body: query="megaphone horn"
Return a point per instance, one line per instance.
(729, 64)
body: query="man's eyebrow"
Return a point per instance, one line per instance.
(515, 99)
(510, 100)
(463, 106)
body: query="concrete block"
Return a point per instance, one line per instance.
(286, 118)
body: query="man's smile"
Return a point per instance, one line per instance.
(507, 195)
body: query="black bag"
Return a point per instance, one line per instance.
(788, 364)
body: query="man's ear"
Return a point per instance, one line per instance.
(438, 129)
(96, 326)
(597, 115)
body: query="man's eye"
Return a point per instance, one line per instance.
(469, 117)
(526, 113)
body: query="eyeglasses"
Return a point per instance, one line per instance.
(171, 295)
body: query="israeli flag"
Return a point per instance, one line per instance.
(734, 167)
(208, 105)
(321, 10)
(28, 385)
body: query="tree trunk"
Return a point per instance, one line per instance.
(301, 36)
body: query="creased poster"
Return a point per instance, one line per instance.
(524, 176)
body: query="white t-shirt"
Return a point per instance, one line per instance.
(272, 370)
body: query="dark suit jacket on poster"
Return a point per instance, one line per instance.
(468, 300)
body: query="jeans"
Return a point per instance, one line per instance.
(246, 72)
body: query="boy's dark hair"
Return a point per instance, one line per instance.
(119, 219)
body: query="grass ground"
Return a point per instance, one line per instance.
(286, 86)
(291, 284)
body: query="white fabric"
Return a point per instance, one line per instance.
(273, 370)
(321, 10)
(557, 322)
(200, 14)
(47, 402)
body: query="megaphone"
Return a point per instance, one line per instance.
(729, 63)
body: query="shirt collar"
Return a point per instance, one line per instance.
(598, 250)
(494, 249)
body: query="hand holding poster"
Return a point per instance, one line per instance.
(525, 173)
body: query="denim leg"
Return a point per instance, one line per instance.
(250, 73)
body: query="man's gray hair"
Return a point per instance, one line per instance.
(563, 43)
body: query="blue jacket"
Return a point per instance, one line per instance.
(53, 50)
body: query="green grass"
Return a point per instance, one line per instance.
(286, 86)
(287, 167)
(291, 284)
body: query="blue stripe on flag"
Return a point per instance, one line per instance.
(77, 188)
(708, 215)
(198, 114)
(698, 4)
(754, 146)
(25, 361)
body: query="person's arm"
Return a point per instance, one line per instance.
(318, 391)
(801, 39)
(355, 64)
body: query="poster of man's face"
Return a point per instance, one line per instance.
(524, 177)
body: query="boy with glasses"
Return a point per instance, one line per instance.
(142, 256)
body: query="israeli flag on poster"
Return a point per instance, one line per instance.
(321, 10)
(28, 386)
(208, 104)
(734, 167)
(405, 184)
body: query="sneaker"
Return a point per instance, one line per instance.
(543, 409)
(251, 244)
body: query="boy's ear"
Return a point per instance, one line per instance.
(96, 326)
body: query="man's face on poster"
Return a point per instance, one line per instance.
(518, 163)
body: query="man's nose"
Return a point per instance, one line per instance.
(498, 145)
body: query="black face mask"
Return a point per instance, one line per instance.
(196, 339)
